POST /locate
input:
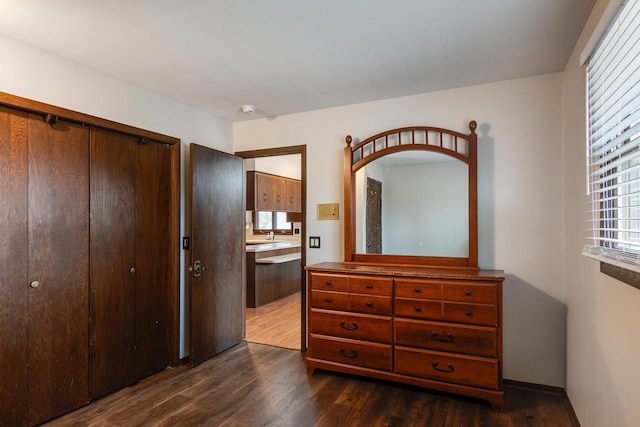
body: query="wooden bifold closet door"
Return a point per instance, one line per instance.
(130, 281)
(44, 267)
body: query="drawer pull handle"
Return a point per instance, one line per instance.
(351, 355)
(448, 337)
(468, 313)
(449, 367)
(349, 328)
(418, 308)
(329, 283)
(467, 293)
(369, 304)
(369, 286)
(418, 290)
(329, 300)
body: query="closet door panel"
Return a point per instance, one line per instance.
(153, 239)
(59, 263)
(112, 260)
(13, 267)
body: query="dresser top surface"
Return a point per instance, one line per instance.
(403, 271)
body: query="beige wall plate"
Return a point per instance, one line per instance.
(328, 211)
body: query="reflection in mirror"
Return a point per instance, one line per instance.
(413, 203)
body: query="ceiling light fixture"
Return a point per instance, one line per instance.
(248, 109)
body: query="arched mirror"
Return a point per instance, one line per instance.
(411, 198)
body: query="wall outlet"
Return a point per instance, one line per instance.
(314, 242)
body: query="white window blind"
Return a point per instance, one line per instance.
(613, 91)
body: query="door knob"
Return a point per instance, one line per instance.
(34, 284)
(197, 268)
(132, 270)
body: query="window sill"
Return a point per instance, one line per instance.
(627, 273)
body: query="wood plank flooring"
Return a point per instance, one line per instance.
(257, 385)
(276, 323)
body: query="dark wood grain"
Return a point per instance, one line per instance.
(112, 258)
(269, 282)
(216, 298)
(256, 385)
(30, 105)
(59, 261)
(153, 241)
(14, 283)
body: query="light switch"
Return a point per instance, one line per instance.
(328, 211)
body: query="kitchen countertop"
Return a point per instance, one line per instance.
(272, 246)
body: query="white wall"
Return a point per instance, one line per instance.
(520, 194)
(434, 224)
(37, 75)
(603, 349)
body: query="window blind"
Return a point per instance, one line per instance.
(613, 152)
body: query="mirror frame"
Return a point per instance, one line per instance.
(351, 167)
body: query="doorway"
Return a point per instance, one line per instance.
(278, 322)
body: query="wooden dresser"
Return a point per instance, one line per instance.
(430, 327)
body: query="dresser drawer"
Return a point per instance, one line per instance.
(370, 285)
(351, 325)
(408, 288)
(420, 309)
(329, 300)
(478, 314)
(358, 353)
(329, 282)
(475, 340)
(370, 304)
(470, 292)
(468, 370)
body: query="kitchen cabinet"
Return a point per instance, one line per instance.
(272, 274)
(266, 192)
(293, 195)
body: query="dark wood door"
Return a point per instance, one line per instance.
(217, 245)
(58, 268)
(14, 283)
(374, 216)
(112, 260)
(153, 255)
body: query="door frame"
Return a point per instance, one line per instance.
(282, 151)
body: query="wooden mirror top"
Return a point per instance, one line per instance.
(451, 143)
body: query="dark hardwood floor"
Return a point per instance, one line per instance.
(258, 385)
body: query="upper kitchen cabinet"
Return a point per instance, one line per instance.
(293, 194)
(266, 192)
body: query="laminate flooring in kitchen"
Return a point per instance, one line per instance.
(277, 323)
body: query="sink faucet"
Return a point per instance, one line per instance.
(270, 236)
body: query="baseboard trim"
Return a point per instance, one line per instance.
(547, 389)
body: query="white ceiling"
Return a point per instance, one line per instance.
(288, 56)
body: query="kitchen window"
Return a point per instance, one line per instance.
(613, 149)
(267, 221)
